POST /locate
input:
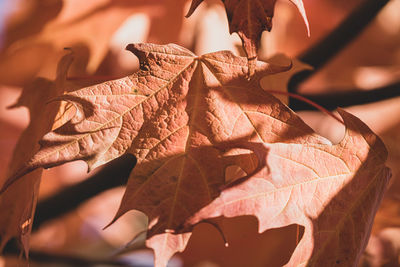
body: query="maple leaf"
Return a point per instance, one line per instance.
(187, 120)
(151, 112)
(249, 18)
(178, 104)
(304, 181)
(334, 191)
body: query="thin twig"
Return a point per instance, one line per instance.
(324, 50)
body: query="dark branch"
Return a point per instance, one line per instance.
(114, 174)
(347, 98)
(324, 50)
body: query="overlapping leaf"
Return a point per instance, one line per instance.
(188, 119)
(249, 18)
(306, 182)
(170, 114)
(155, 112)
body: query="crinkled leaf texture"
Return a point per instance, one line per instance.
(249, 18)
(173, 103)
(332, 190)
(211, 143)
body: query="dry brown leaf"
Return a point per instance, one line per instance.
(332, 190)
(249, 18)
(165, 89)
(155, 103)
(188, 119)
(379, 116)
(17, 205)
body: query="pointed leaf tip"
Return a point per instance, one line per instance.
(130, 47)
(300, 6)
(354, 126)
(193, 6)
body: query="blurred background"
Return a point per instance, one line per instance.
(33, 35)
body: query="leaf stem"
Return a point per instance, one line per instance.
(308, 101)
(216, 225)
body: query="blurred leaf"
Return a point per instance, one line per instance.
(87, 27)
(17, 205)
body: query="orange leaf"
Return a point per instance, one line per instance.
(189, 120)
(169, 114)
(332, 190)
(155, 112)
